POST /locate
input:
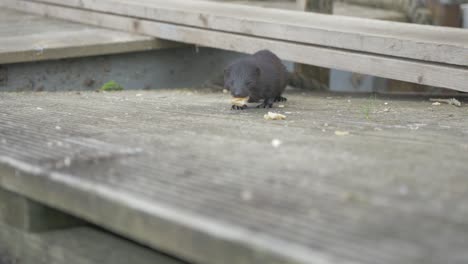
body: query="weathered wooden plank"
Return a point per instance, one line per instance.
(183, 234)
(321, 6)
(382, 66)
(313, 77)
(81, 245)
(33, 38)
(210, 187)
(64, 45)
(381, 37)
(19, 212)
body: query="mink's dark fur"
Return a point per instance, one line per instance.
(260, 76)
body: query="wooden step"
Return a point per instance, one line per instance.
(342, 180)
(26, 38)
(24, 214)
(79, 245)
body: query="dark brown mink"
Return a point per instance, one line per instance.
(259, 76)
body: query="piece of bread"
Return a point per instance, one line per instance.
(240, 101)
(274, 116)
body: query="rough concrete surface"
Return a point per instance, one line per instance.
(343, 179)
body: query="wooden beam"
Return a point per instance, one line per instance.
(60, 45)
(84, 245)
(313, 77)
(411, 41)
(318, 6)
(383, 66)
(25, 38)
(446, 14)
(22, 213)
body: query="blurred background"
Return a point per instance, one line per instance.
(119, 143)
(444, 13)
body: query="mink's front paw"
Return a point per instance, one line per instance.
(280, 99)
(265, 105)
(236, 107)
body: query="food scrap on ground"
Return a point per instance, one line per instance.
(451, 101)
(240, 101)
(342, 133)
(274, 116)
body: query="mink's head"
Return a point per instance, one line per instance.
(241, 78)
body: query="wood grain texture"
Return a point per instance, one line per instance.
(19, 212)
(311, 75)
(443, 45)
(83, 245)
(382, 66)
(320, 6)
(25, 38)
(208, 185)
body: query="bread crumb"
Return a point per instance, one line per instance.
(451, 101)
(240, 101)
(342, 133)
(274, 116)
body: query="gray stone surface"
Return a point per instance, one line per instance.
(353, 180)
